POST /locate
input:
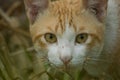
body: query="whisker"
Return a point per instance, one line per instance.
(100, 56)
(92, 63)
(98, 60)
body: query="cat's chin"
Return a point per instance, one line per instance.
(68, 67)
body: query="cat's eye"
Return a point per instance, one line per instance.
(51, 38)
(81, 38)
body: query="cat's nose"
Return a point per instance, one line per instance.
(66, 60)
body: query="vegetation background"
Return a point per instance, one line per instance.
(16, 49)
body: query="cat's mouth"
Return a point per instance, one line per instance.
(67, 67)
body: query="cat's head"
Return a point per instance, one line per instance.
(67, 32)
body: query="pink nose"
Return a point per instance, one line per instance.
(66, 60)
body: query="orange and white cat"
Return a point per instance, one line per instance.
(81, 34)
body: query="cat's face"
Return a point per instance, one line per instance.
(66, 33)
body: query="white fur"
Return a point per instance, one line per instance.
(112, 25)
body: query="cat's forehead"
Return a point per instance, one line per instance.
(60, 16)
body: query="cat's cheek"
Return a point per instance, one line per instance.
(79, 55)
(53, 56)
(94, 59)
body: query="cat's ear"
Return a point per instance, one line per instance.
(97, 7)
(34, 7)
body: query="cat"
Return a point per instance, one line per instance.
(82, 34)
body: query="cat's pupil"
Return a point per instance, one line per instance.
(81, 36)
(51, 36)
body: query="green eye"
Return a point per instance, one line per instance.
(51, 38)
(81, 38)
